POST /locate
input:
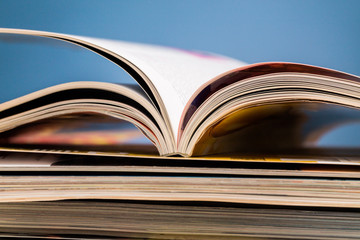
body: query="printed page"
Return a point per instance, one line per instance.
(172, 74)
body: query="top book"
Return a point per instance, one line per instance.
(191, 103)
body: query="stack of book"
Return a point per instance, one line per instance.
(201, 146)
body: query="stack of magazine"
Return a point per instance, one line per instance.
(200, 146)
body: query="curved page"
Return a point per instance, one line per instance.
(170, 76)
(252, 71)
(107, 99)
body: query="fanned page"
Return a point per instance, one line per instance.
(273, 108)
(170, 76)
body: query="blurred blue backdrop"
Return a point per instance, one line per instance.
(324, 33)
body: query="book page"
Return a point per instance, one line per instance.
(176, 74)
(172, 75)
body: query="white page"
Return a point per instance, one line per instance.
(175, 73)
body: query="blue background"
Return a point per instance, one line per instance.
(323, 32)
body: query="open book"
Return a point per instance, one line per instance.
(187, 103)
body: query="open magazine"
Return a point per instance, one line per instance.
(186, 103)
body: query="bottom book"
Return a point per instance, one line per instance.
(76, 196)
(90, 219)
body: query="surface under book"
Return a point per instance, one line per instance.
(176, 102)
